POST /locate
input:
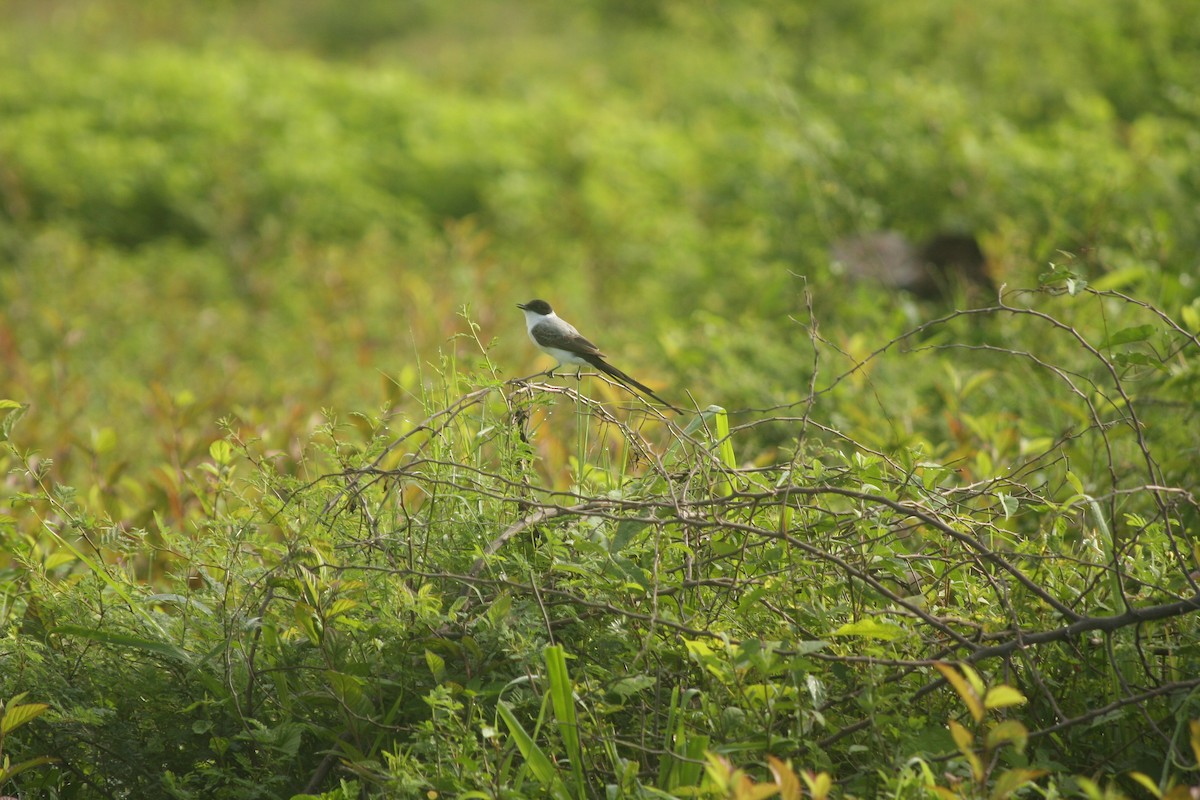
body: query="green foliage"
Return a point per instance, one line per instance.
(380, 620)
(15, 714)
(278, 522)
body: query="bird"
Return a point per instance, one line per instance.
(555, 336)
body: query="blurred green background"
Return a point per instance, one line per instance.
(258, 212)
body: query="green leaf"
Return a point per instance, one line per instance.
(7, 772)
(125, 640)
(1003, 696)
(1008, 732)
(1055, 275)
(535, 758)
(626, 530)
(964, 689)
(562, 698)
(221, 451)
(1076, 484)
(436, 664)
(1139, 360)
(1013, 779)
(1009, 504)
(963, 739)
(1146, 783)
(1191, 316)
(1137, 333)
(16, 716)
(872, 629)
(818, 783)
(1090, 788)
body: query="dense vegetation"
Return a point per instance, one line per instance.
(284, 514)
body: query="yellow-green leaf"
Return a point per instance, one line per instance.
(747, 789)
(962, 738)
(16, 716)
(1013, 779)
(872, 629)
(1008, 732)
(973, 678)
(1146, 782)
(1090, 788)
(1003, 696)
(819, 783)
(968, 695)
(221, 451)
(785, 779)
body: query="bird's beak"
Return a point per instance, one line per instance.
(521, 306)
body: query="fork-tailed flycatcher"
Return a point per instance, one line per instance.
(557, 337)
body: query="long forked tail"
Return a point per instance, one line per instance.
(613, 372)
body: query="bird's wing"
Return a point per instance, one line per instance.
(567, 339)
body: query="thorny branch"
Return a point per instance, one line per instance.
(979, 571)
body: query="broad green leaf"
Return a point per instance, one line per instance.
(1191, 316)
(818, 783)
(1009, 504)
(1139, 360)
(221, 451)
(1013, 779)
(341, 606)
(16, 716)
(1137, 333)
(103, 440)
(1003, 696)
(872, 629)
(306, 618)
(57, 559)
(1009, 731)
(436, 664)
(626, 530)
